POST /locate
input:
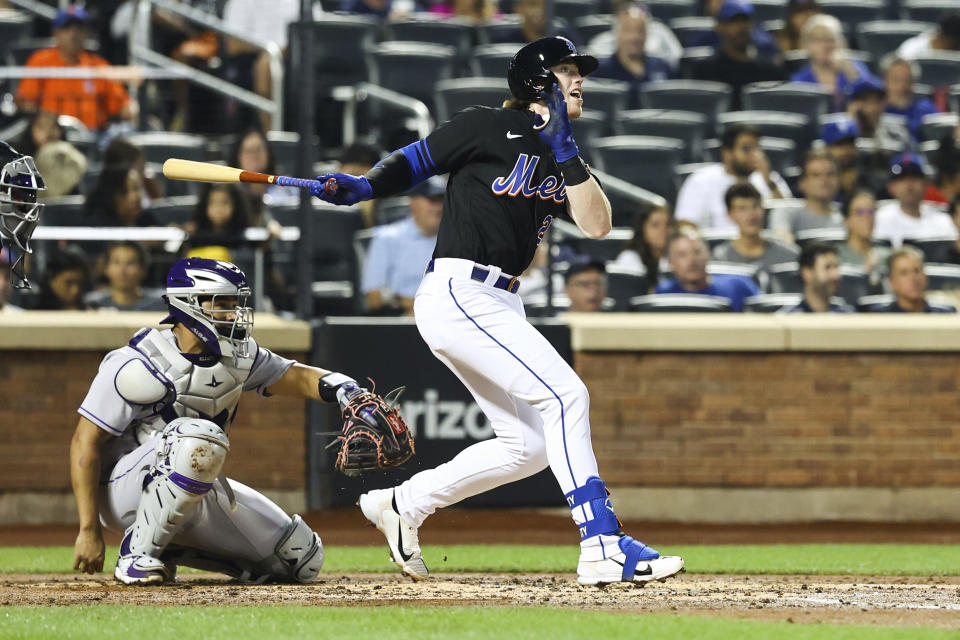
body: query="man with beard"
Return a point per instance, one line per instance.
(629, 63)
(737, 61)
(820, 271)
(700, 200)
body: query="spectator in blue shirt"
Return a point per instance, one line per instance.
(829, 67)
(899, 76)
(820, 271)
(688, 257)
(766, 47)
(629, 63)
(909, 284)
(399, 252)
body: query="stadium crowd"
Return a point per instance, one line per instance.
(799, 155)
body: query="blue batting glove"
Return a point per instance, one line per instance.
(557, 132)
(342, 189)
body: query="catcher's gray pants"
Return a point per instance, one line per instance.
(247, 536)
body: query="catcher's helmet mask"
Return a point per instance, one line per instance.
(193, 281)
(20, 185)
(529, 72)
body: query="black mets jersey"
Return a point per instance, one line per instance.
(504, 187)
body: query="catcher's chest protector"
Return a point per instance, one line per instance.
(211, 393)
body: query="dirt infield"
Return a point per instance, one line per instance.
(909, 602)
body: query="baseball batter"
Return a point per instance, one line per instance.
(152, 437)
(512, 171)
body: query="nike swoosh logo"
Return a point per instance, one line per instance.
(646, 572)
(513, 136)
(403, 555)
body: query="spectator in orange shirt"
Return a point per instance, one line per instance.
(93, 101)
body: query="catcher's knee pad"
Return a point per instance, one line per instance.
(594, 499)
(190, 454)
(300, 551)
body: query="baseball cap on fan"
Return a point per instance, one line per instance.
(69, 14)
(733, 8)
(840, 130)
(433, 187)
(906, 164)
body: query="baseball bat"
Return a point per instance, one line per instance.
(179, 169)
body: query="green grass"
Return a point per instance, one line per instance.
(823, 559)
(406, 623)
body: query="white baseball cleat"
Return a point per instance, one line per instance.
(139, 569)
(636, 563)
(377, 507)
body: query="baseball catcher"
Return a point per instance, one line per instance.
(148, 450)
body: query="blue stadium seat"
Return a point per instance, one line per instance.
(940, 68)
(339, 44)
(802, 98)
(689, 30)
(411, 68)
(645, 161)
(774, 124)
(688, 126)
(854, 12)
(492, 60)
(624, 284)
(785, 278)
(680, 302)
(424, 27)
(708, 98)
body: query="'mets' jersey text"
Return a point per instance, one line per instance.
(504, 187)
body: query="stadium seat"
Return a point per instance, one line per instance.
(715, 237)
(680, 302)
(332, 235)
(688, 126)
(587, 128)
(159, 146)
(691, 57)
(14, 26)
(589, 27)
(667, 10)
(955, 97)
(646, 161)
(284, 146)
(764, 10)
(801, 98)
(720, 268)
(608, 96)
(937, 125)
(411, 68)
(496, 29)
(828, 235)
(772, 302)
(935, 250)
(708, 98)
(940, 68)
(624, 284)
(793, 61)
(458, 94)
(881, 37)
(177, 210)
(942, 277)
(852, 12)
(774, 124)
(423, 27)
(339, 44)
(606, 248)
(689, 30)
(854, 283)
(781, 152)
(927, 10)
(492, 60)
(571, 10)
(871, 304)
(65, 211)
(785, 278)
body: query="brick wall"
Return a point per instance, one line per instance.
(775, 419)
(41, 390)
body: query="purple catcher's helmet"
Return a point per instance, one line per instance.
(20, 184)
(193, 281)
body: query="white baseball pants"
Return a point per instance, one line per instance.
(537, 405)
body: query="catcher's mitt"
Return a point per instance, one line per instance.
(375, 436)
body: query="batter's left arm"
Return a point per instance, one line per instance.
(588, 206)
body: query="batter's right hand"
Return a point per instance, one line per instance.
(343, 189)
(88, 551)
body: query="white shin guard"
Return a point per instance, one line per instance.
(190, 454)
(300, 551)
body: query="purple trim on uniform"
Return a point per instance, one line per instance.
(135, 464)
(100, 422)
(563, 427)
(138, 338)
(125, 544)
(152, 368)
(189, 484)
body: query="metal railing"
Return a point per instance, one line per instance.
(37, 8)
(141, 52)
(354, 95)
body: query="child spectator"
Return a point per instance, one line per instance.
(117, 200)
(220, 219)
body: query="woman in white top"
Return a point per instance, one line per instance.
(646, 251)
